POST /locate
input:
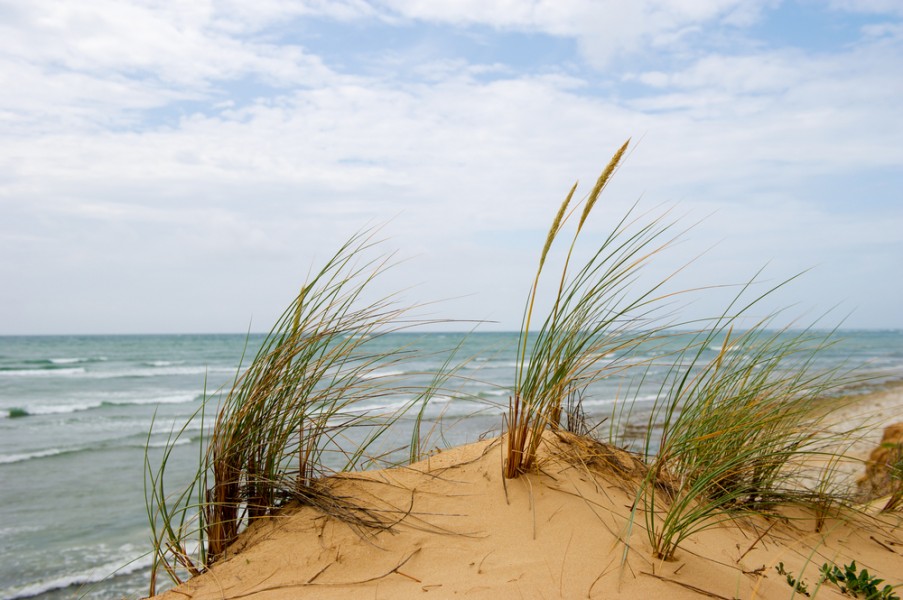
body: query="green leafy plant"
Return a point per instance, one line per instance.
(856, 583)
(797, 584)
(851, 581)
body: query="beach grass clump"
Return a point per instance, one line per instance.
(734, 429)
(295, 416)
(728, 431)
(598, 310)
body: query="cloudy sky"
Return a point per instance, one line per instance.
(179, 166)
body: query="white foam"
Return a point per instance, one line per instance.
(168, 443)
(9, 531)
(721, 348)
(490, 364)
(43, 372)
(589, 402)
(61, 409)
(106, 400)
(511, 364)
(178, 424)
(170, 399)
(379, 374)
(71, 361)
(495, 393)
(382, 406)
(121, 566)
(7, 459)
(158, 371)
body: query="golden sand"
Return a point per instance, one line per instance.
(456, 528)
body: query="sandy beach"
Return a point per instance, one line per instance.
(452, 526)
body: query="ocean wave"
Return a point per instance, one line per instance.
(182, 441)
(50, 409)
(437, 403)
(378, 406)
(495, 393)
(123, 565)
(384, 373)
(158, 371)
(482, 363)
(8, 459)
(11, 531)
(137, 440)
(170, 399)
(591, 402)
(59, 370)
(164, 363)
(64, 361)
(719, 348)
(71, 361)
(63, 409)
(43, 372)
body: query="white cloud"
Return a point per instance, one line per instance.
(96, 61)
(467, 160)
(604, 29)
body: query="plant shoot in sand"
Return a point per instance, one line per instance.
(732, 430)
(293, 417)
(598, 310)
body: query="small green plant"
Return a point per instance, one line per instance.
(797, 584)
(851, 581)
(855, 583)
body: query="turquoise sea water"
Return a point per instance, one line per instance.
(75, 412)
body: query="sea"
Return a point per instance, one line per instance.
(76, 415)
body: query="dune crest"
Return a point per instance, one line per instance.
(453, 526)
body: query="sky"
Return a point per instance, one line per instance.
(181, 166)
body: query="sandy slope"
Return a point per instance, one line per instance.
(459, 530)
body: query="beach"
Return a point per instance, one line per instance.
(452, 526)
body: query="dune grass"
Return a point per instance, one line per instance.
(294, 416)
(598, 310)
(725, 435)
(735, 430)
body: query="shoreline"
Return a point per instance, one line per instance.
(455, 526)
(868, 414)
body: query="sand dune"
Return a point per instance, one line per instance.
(452, 526)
